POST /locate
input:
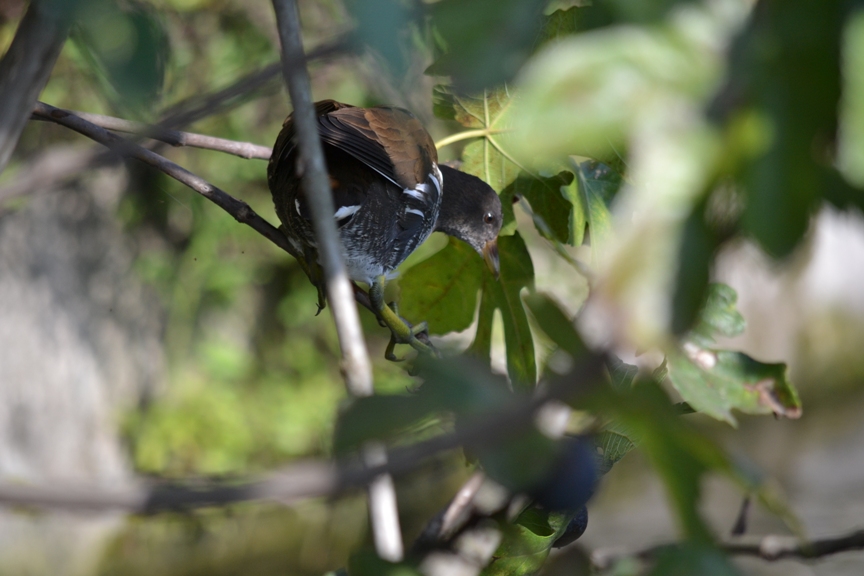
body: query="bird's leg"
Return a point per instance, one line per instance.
(401, 332)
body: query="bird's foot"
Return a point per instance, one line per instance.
(401, 331)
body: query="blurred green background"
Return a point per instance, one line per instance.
(252, 376)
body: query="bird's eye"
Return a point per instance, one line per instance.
(488, 218)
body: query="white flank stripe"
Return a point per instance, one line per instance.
(414, 194)
(346, 211)
(437, 178)
(297, 205)
(413, 211)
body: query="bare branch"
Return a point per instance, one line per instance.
(175, 138)
(25, 67)
(773, 547)
(47, 175)
(237, 208)
(340, 293)
(770, 547)
(311, 479)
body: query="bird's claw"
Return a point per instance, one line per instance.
(415, 336)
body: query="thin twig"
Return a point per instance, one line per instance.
(237, 208)
(177, 116)
(340, 293)
(769, 547)
(175, 138)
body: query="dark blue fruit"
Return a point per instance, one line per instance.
(571, 480)
(575, 528)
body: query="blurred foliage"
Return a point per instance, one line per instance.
(641, 136)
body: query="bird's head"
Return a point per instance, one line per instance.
(471, 211)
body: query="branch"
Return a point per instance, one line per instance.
(312, 479)
(340, 293)
(175, 138)
(237, 208)
(769, 547)
(773, 547)
(25, 67)
(46, 175)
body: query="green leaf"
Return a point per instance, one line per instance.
(551, 207)
(523, 550)
(535, 520)
(621, 373)
(378, 417)
(377, 23)
(486, 41)
(688, 558)
(367, 563)
(719, 316)
(488, 157)
(128, 46)
(597, 186)
(456, 385)
(442, 290)
(716, 381)
(614, 442)
(561, 23)
(695, 254)
(792, 81)
(504, 294)
(555, 323)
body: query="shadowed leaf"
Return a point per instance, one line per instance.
(517, 272)
(128, 46)
(442, 290)
(485, 41)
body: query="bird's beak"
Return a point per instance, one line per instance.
(490, 254)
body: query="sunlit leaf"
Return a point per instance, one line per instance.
(597, 186)
(526, 543)
(715, 382)
(487, 157)
(718, 317)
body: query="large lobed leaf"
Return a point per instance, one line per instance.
(442, 290)
(504, 294)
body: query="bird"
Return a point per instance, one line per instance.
(389, 192)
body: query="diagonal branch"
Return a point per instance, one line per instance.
(237, 208)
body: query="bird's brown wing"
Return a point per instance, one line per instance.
(389, 140)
